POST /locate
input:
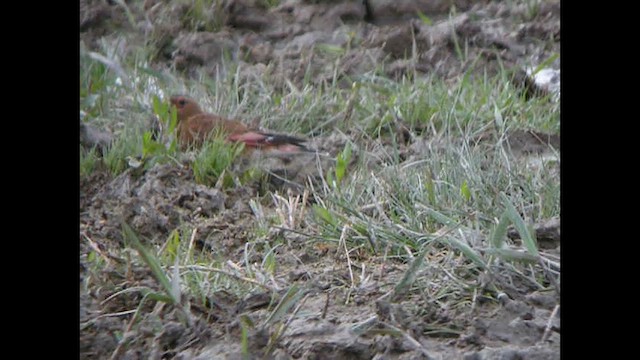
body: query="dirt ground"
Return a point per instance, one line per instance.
(157, 201)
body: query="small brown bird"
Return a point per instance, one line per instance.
(195, 126)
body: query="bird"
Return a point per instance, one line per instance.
(195, 127)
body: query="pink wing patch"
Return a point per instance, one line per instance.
(283, 143)
(249, 138)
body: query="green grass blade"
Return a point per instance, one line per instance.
(173, 244)
(127, 11)
(160, 297)
(425, 19)
(325, 215)
(431, 189)
(441, 218)
(528, 239)
(131, 238)
(409, 276)
(514, 255)
(500, 231)
(288, 300)
(245, 325)
(465, 192)
(342, 161)
(466, 250)
(545, 63)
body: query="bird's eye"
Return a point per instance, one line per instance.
(182, 102)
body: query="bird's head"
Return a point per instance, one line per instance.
(185, 106)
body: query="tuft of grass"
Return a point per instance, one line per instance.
(125, 151)
(342, 162)
(294, 295)
(203, 15)
(444, 201)
(89, 161)
(213, 163)
(172, 292)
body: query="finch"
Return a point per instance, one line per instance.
(195, 126)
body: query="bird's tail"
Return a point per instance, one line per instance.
(262, 140)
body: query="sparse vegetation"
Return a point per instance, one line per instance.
(214, 160)
(426, 185)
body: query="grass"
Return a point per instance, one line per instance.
(214, 161)
(441, 210)
(203, 15)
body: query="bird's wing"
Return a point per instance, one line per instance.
(259, 139)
